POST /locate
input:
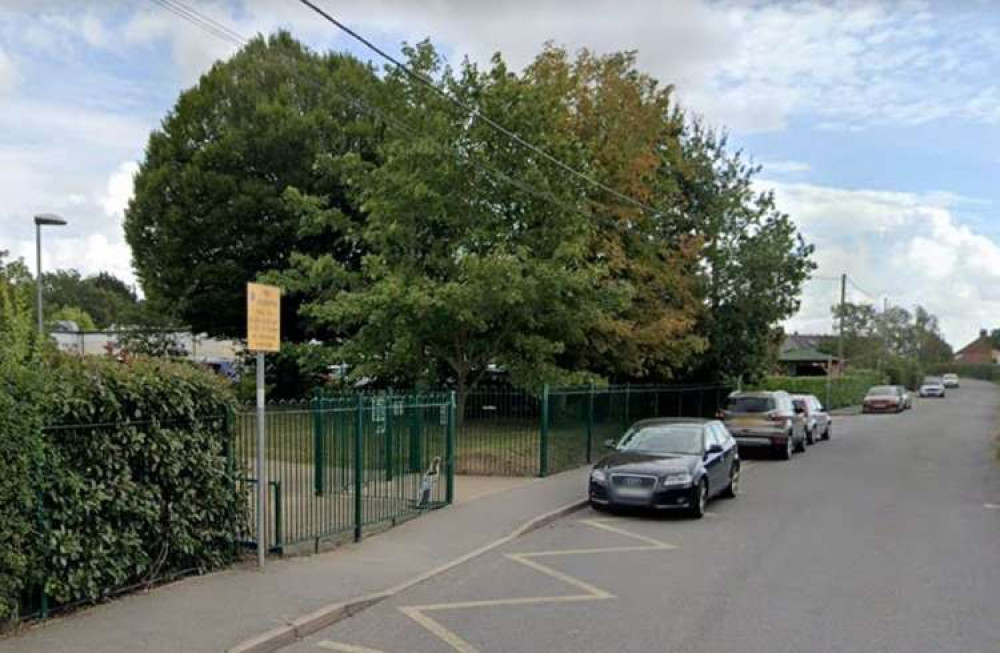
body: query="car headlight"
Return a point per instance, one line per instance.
(679, 478)
(598, 476)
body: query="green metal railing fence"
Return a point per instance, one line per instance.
(337, 466)
(509, 432)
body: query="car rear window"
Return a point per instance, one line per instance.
(883, 390)
(750, 404)
(800, 404)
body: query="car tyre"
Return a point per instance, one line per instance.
(826, 433)
(799, 446)
(734, 483)
(598, 507)
(699, 500)
(810, 438)
(785, 452)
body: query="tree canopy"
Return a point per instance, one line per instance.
(418, 244)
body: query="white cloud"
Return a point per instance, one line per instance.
(119, 189)
(909, 247)
(8, 73)
(785, 167)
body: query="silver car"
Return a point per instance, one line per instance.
(818, 421)
(766, 420)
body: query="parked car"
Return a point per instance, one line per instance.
(932, 387)
(907, 397)
(883, 399)
(818, 421)
(950, 380)
(670, 464)
(766, 419)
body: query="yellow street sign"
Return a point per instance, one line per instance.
(263, 317)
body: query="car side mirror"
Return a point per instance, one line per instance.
(610, 444)
(714, 448)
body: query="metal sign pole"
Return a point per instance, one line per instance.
(261, 471)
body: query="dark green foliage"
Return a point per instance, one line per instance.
(137, 482)
(21, 447)
(904, 371)
(105, 298)
(847, 390)
(208, 213)
(982, 371)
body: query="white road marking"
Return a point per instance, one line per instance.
(346, 648)
(529, 559)
(991, 506)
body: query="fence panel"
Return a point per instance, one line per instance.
(498, 433)
(338, 465)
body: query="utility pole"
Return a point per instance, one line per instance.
(843, 308)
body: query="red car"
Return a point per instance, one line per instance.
(884, 399)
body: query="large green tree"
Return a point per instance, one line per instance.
(208, 213)
(754, 259)
(475, 255)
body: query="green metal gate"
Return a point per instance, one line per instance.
(339, 466)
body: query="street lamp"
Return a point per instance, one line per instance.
(42, 220)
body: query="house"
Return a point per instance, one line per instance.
(980, 350)
(800, 355)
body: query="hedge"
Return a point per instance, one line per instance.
(846, 390)
(135, 485)
(983, 371)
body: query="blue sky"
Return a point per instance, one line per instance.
(877, 123)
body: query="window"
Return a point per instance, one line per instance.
(750, 404)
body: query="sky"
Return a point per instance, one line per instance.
(877, 124)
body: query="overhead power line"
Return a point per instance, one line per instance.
(475, 113)
(223, 32)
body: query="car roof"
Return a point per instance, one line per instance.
(758, 393)
(804, 397)
(655, 421)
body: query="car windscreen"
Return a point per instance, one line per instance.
(664, 438)
(750, 404)
(883, 391)
(801, 404)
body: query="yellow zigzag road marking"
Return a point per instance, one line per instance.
(590, 592)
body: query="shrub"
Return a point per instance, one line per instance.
(983, 371)
(904, 371)
(846, 390)
(138, 481)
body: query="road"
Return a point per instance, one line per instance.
(885, 539)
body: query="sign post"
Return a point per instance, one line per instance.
(263, 335)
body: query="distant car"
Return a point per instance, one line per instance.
(883, 399)
(950, 380)
(670, 463)
(932, 388)
(818, 421)
(766, 419)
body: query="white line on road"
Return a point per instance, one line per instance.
(346, 648)
(991, 506)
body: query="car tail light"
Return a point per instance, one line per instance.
(720, 414)
(777, 418)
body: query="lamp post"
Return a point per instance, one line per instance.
(42, 220)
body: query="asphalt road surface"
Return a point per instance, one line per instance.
(885, 539)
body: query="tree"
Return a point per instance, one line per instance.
(754, 258)
(107, 300)
(73, 314)
(466, 265)
(622, 119)
(208, 213)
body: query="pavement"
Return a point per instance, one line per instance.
(885, 539)
(219, 611)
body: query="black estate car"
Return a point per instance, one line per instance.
(674, 463)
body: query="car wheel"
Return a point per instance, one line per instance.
(734, 483)
(699, 500)
(826, 433)
(785, 452)
(799, 445)
(598, 507)
(810, 438)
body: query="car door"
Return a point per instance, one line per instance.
(715, 463)
(822, 418)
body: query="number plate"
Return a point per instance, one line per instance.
(632, 492)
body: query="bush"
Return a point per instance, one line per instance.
(904, 371)
(138, 480)
(983, 371)
(846, 390)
